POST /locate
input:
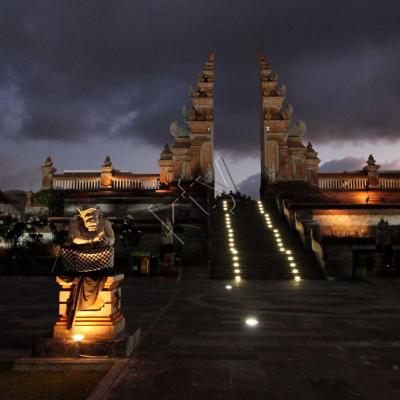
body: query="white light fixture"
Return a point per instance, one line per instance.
(235, 258)
(292, 264)
(228, 287)
(295, 271)
(236, 264)
(297, 278)
(276, 230)
(290, 258)
(280, 245)
(78, 337)
(251, 321)
(237, 271)
(288, 252)
(238, 278)
(281, 249)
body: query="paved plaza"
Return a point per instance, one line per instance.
(314, 339)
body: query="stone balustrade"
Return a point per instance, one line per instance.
(342, 182)
(9, 209)
(386, 183)
(61, 183)
(94, 183)
(345, 181)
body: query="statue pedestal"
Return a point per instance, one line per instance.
(102, 327)
(103, 322)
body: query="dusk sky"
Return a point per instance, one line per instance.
(83, 79)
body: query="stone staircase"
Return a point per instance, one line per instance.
(258, 255)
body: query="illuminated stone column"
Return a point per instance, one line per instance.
(166, 165)
(106, 173)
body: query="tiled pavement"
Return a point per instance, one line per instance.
(314, 340)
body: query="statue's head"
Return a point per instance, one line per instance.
(90, 218)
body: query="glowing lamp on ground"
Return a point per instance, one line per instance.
(297, 278)
(236, 264)
(280, 245)
(235, 258)
(238, 278)
(292, 264)
(290, 258)
(228, 287)
(230, 234)
(282, 249)
(78, 337)
(276, 231)
(237, 271)
(278, 240)
(251, 322)
(295, 271)
(288, 252)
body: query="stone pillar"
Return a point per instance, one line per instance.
(166, 165)
(48, 171)
(373, 173)
(311, 163)
(106, 174)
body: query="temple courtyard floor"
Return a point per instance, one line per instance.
(313, 340)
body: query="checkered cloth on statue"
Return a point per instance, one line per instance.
(92, 240)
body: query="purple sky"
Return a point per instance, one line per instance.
(80, 80)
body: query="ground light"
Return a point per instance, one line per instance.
(238, 278)
(228, 287)
(297, 278)
(251, 321)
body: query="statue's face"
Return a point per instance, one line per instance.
(90, 218)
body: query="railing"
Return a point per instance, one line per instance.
(76, 183)
(93, 184)
(135, 183)
(6, 208)
(389, 183)
(331, 182)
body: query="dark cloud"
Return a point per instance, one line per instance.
(344, 164)
(355, 164)
(72, 70)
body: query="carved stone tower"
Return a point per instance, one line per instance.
(192, 152)
(283, 155)
(201, 120)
